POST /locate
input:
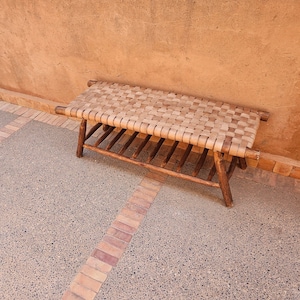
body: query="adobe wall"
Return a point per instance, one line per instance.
(244, 52)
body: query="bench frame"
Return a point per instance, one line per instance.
(113, 135)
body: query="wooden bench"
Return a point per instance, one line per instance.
(130, 113)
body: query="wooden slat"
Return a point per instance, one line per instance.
(242, 164)
(127, 144)
(170, 153)
(115, 139)
(184, 157)
(232, 166)
(93, 130)
(200, 162)
(141, 146)
(212, 173)
(104, 136)
(155, 150)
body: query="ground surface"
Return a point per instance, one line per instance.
(56, 208)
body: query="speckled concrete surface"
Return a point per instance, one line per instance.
(191, 247)
(52, 213)
(6, 118)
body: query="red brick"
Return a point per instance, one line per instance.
(3, 105)
(128, 221)
(143, 194)
(93, 273)
(151, 181)
(31, 113)
(71, 125)
(252, 162)
(21, 110)
(115, 242)
(70, 296)
(282, 169)
(149, 185)
(22, 121)
(7, 130)
(110, 249)
(139, 201)
(40, 116)
(156, 176)
(4, 134)
(12, 108)
(59, 121)
(149, 192)
(266, 164)
(123, 227)
(98, 265)
(119, 234)
(46, 118)
(12, 127)
(66, 123)
(295, 173)
(88, 282)
(132, 214)
(82, 291)
(137, 209)
(51, 119)
(107, 258)
(14, 124)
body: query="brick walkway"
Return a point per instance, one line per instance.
(106, 255)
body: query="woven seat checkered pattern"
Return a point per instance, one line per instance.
(214, 125)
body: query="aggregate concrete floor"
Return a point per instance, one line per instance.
(54, 209)
(190, 247)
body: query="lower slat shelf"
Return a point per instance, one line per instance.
(150, 166)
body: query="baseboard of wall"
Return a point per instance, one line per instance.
(267, 161)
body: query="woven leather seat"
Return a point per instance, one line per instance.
(214, 125)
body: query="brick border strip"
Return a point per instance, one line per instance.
(25, 116)
(87, 283)
(28, 114)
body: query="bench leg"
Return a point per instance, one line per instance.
(223, 179)
(81, 138)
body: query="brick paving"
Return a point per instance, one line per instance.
(107, 253)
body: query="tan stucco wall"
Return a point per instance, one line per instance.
(245, 52)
